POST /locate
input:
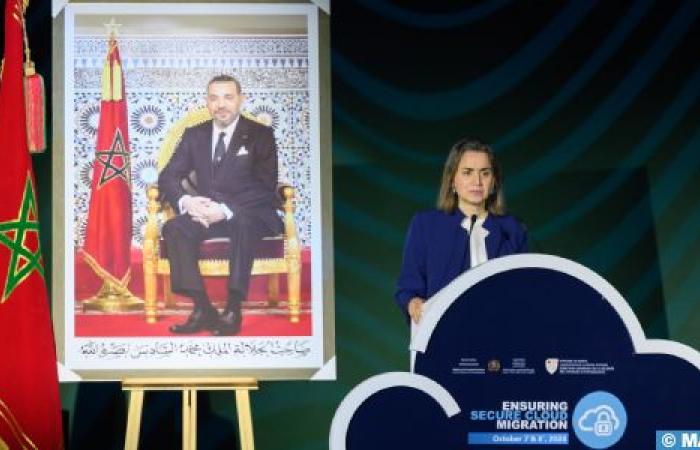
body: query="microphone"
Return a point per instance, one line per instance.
(473, 221)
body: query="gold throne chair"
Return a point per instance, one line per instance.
(276, 255)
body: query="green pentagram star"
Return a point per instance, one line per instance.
(108, 158)
(13, 235)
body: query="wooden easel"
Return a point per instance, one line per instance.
(189, 388)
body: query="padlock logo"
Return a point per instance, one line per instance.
(603, 426)
(600, 420)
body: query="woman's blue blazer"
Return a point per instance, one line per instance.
(435, 252)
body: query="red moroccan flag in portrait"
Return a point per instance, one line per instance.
(107, 246)
(30, 411)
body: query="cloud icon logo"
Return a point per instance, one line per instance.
(524, 310)
(599, 420)
(600, 415)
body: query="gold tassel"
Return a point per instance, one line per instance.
(34, 98)
(34, 101)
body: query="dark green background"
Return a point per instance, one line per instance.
(593, 110)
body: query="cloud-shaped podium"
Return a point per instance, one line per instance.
(516, 344)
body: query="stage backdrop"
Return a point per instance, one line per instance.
(593, 109)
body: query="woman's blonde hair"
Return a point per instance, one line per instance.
(447, 198)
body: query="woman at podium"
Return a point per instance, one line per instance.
(469, 227)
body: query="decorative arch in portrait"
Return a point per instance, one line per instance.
(145, 91)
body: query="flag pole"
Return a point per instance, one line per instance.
(108, 243)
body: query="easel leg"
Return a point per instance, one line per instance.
(189, 388)
(133, 423)
(189, 419)
(245, 420)
(185, 419)
(193, 419)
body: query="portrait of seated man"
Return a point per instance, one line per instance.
(234, 161)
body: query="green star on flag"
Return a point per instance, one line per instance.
(14, 235)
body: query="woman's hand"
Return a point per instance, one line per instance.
(415, 309)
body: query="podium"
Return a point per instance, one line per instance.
(527, 350)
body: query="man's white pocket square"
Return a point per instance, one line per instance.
(242, 151)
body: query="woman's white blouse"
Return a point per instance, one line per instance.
(477, 240)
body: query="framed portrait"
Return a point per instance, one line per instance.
(131, 82)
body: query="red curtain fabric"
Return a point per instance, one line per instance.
(108, 235)
(30, 412)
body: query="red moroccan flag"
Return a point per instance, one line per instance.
(108, 239)
(30, 412)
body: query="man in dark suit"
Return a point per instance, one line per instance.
(235, 163)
